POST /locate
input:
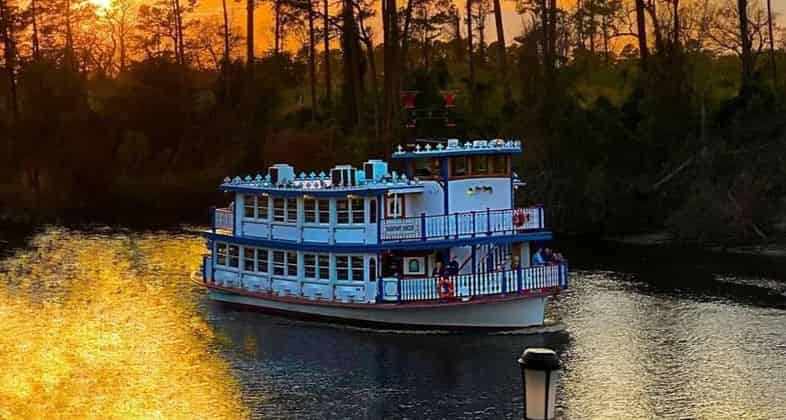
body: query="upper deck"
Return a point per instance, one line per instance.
(452, 192)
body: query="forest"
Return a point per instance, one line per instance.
(636, 115)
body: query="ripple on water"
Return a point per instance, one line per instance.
(90, 328)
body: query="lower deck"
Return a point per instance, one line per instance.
(359, 279)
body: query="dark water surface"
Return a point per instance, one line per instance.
(106, 321)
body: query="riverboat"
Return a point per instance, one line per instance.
(438, 244)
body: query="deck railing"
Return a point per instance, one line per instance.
(463, 225)
(223, 219)
(484, 284)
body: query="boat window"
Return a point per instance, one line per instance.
(278, 263)
(426, 168)
(309, 210)
(480, 165)
(310, 266)
(262, 260)
(262, 207)
(292, 210)
(394, 207)
(291, 263)
(349, 211)
(221, 253)
(323, 211)
(249, 206)
(278, 209)
(372, 270)
(349, 268)
(342, 267)
(324, 267)
(248, 258)
(414, 266)
(316, 267)
(342, 211)
(458, 166)
(372, 211)
(357, 210)
(316, 211)
(357, 268)
(498, 164)
(234, 256)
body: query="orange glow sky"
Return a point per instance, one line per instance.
(211, 10)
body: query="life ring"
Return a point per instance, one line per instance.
(520, 218)
(445, 288)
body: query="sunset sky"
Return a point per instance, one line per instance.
(211, 9)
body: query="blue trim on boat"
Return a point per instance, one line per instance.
(373, 248)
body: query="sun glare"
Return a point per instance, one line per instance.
(102, 4)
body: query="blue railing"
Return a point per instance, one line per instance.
(463, 225)
(485, 284)
(223, 219)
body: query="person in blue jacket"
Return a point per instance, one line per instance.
(538, 258)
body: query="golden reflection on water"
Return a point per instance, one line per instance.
(106, 326)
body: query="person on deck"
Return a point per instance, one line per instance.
(548, 256)
(538, 258)
(453, 267)
(439, 270)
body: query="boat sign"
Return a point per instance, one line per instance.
(401, 229)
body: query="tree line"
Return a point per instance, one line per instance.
(638, 114)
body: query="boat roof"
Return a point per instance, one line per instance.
(454, 147)
(320, 185)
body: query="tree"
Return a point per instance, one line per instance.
(772, 45)
(470, 52)
(391, 82)
(119, 16)
(641, 34)
(501, 58)
(326, 46)
(353, 79)
(739, 28)
(7, 32)
(312, 59)
(250, 5)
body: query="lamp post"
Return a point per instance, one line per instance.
(540, 373)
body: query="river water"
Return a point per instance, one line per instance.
(104, 323)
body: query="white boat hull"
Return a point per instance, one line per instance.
(509, 313)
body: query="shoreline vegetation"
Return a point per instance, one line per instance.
(134, 113)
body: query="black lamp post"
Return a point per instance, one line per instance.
(540, 373)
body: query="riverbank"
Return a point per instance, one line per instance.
(775, 249)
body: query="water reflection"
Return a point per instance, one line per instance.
(104, 323)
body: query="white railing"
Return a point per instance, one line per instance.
(463, 225)
(223, 219)
(484, 284)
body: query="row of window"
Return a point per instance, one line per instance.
(284, 263)
(462, 166)
(479, 165)
(348, 210)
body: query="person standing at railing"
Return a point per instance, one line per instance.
(539, 258)
(453, 267)
(439, 270)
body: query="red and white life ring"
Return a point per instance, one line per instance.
(520, 218)
(445, 288)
